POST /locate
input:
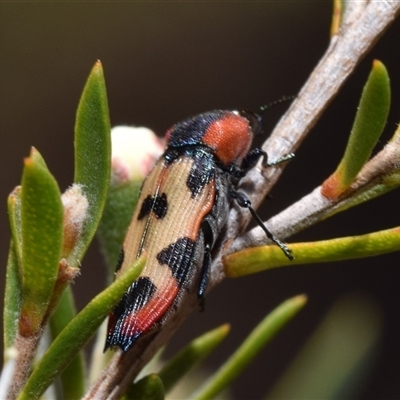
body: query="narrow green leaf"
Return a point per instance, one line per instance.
(148, 388)
(12, 299)
(92, 154)
(368, 125)
(14, 216)
(192, 354)
(74, 376)
(12, 296)
(98, 359)
(42, 235)
(250, 348)
(336, 360)
(77, 333)
(63, 314)
(256, 259)
(382, 174)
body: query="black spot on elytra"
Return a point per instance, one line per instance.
(156, 204)
(179, 257)
(202, 171)
(136, 297)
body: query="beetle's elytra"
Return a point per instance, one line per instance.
(183, 205)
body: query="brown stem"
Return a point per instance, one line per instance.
(26, 350)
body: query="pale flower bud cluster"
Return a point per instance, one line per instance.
(134, 152)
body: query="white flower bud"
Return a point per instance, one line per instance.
(134, 152)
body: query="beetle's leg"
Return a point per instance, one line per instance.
(204, 277)
(252, 158)
(244, 201)
(208, 238)
(280, 160)
(254, 155)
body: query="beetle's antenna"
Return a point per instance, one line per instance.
(244, 202)
(283, 99)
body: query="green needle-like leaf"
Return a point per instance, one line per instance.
(256, 259)
(250, 348)
(74, 376)
(192, 354)
(368, 125)
(148, 388)
(336, 361)
(63, 314)
(14, 216)
(42, 237)
(12, 299)
(92, 154)
(77, 333)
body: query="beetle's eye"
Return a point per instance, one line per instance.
(255, 121)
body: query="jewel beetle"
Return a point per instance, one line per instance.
(182, 208)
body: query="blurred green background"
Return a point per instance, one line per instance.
(165, 61)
